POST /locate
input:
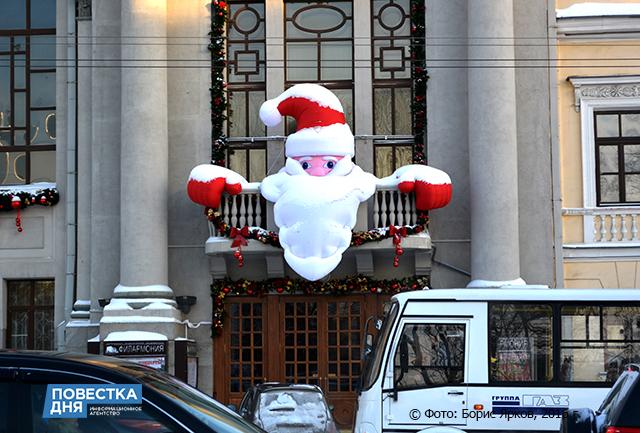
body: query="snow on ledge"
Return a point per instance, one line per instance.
(581, 10)
(156, 288)
(135, 336)
(486, 284)
(30, 188)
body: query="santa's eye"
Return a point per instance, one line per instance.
(306, 165)
(329, 164)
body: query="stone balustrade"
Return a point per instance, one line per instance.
(249, 208)
(608, 225)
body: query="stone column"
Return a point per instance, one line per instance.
(83, 296)
(105, 152)
(143, 300)
(493, 159)
(144, 159)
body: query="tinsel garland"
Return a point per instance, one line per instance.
(419, 77)
(221, 289)
(219, 106)
(42, 197)
(357, 238)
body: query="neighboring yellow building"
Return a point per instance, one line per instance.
(599, 133)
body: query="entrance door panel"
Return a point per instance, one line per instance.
(241, 357)
(345, 320)
(301, 341)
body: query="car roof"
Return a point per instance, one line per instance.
(271, 386)
(108, 367)
(519, 294)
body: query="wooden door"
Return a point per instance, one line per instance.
(240, 354)
(294, 339)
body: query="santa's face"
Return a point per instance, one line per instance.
(318, 165)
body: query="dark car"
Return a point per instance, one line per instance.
(28, 380)
(280, 407)
(618, 413)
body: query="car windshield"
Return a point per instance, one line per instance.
(197, 403)
(374, 360)
(613, 398)
(293, 410)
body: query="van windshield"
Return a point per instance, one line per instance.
(373, 362)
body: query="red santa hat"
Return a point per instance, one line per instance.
(321, 128)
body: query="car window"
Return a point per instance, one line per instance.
(8, 391)
(107, 419)
(245, 404)
(430, 354)
(197, 403)
(628, 415)
(609, 407)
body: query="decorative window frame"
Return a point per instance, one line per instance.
(599, 93)
(609, 232)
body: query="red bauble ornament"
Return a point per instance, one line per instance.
(16, 204)
(373, 290)
(43, 200)
(279, 290)
(226, 290)
(399, 251)
(395, 262)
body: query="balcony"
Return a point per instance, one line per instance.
(606, 232)
(387, 207)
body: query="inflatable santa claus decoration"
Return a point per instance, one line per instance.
(318, 191)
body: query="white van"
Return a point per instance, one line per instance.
(452, 360)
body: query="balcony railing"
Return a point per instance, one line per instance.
(390, 207)
(609, 225)
(249, 208)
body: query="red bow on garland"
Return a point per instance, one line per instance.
(239, 237)
(397, 233)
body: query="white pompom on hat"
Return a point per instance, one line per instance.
(321, 128)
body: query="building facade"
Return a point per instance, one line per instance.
(135, 110)
(598, 103)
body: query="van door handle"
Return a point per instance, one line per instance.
(455, 393)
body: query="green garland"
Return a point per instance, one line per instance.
(219, 105)
(357, 238)
(419, 77)
(42, 197)
(221, 289)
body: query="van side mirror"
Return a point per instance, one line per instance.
(368, 346)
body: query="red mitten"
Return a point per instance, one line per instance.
(207, 183)
(432, 187)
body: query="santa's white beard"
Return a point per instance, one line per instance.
(316, 215)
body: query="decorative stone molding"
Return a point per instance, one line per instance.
(580, 29)
(83, 11)
(602, 87)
